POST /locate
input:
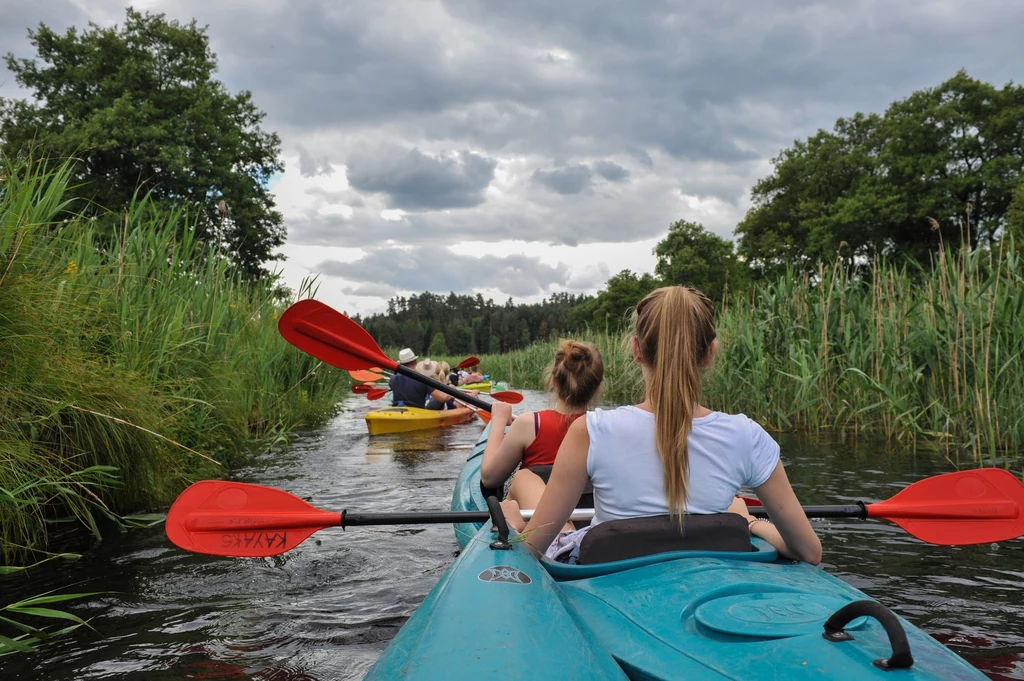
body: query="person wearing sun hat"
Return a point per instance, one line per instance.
(429, 367)
(408, 392)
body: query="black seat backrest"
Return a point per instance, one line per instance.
(635, 537)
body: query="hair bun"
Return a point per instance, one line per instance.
(577, 372)
(573, 354)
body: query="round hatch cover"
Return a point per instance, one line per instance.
(770, 615)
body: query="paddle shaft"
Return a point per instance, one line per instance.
(438, 385)
(441, 517)
(426, 518)
(859, 510)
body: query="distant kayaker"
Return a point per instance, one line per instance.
(471, 376)
(668, 454)
(575, 375)
(408, 392)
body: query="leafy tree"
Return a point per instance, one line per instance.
(878, 185)
(692, 256)
(139, 106)
(461, 339)
(611, 308)
(1015, 215)
(438, 346)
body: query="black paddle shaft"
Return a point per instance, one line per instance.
(413, 518)
(858, 510)
(440, 517)
(447, 389)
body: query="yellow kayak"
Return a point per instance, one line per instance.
(402, 419)
(479, 387)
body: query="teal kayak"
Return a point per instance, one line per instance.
(695, 615)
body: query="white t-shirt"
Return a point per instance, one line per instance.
(726, 452)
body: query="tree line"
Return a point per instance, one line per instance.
(463, 324)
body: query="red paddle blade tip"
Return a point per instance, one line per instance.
(978, 506)
(366, 376)
(507, 396)
(236, 519)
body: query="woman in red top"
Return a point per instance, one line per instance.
(575, 375)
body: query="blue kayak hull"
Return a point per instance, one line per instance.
(683, 615)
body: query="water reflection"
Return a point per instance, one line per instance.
(327, 609)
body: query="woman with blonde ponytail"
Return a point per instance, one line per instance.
(575, 376)
(669, 454)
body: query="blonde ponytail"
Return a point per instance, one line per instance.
(674, 327)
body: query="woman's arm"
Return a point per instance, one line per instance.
(789, 532)
(504, 451)
(568, 478)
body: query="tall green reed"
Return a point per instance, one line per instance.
(929, 354)
(130, 363)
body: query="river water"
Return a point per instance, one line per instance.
(326, 610)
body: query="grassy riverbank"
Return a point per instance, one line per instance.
(131, 365)
(932, 356)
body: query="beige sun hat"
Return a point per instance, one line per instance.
(427, 367)
(406, 356)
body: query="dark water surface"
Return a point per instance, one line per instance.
(327, 609)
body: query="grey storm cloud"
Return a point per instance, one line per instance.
(370, 290)
(415, 181)
(577, 178)
(568, 180)
(436, 268)
(311, 167)
(610, 171)
(681, 97)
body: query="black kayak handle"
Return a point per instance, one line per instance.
(498, 518)
(901, 657)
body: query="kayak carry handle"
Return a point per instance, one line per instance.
(498, 518)
(901, 657)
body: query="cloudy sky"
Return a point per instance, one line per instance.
(526, 147)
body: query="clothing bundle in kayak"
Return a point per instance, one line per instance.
(403, 419)
(694, 615)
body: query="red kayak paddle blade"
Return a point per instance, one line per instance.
(507, 396)
(366, 376)
(330, 336)
(364, 388)
(978, 506)
(468, 362)
(236, 519)
(377, 393)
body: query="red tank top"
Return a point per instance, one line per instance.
(551, 428)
